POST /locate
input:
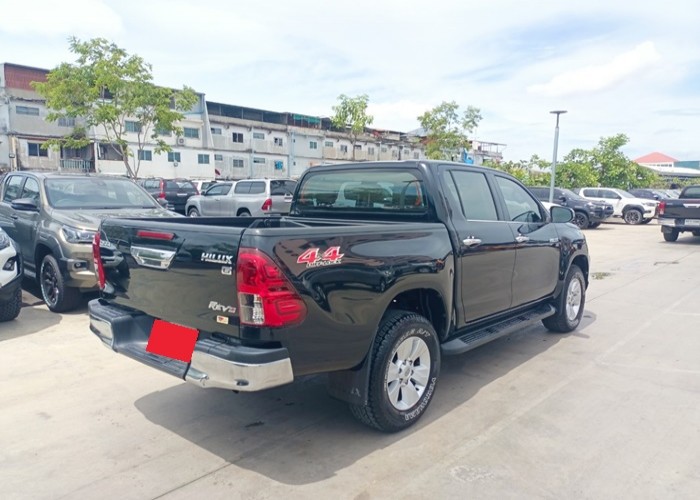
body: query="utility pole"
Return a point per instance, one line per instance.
(554, 157)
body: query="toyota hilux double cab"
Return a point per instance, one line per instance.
(587, 213)
(419, 260)
(682, 214)
(633, 210)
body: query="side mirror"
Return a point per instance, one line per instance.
(25, 204)
(562, 214)
(562, 199)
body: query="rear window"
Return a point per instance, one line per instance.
(180, 184)
(691, 192)
(361, 190)
(282, 188)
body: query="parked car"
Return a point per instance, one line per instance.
(175, 192)
(10, 278)
(250, 197)
(679, 215)
(202, 185)
(421, 259)
(650, 194)
(633, 210)
(53, 218)
(587, 213)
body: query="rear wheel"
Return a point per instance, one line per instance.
(671, 235)
(405, 363)
(10, 309)
(244, 213)
(581, 220)
(58, 296)
(593, 225)
(569, 304)
(193, 212)
(633, 216)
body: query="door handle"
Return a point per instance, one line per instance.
(14, 217)
(471, 242)
(522, 239)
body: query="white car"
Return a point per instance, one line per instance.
(633, 210)
(10, 279)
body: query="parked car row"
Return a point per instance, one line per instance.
(251, 197)
(587, 213)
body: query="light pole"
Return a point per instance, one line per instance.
(554, 158)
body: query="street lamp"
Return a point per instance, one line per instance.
(554, 158)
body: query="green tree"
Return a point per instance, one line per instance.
(615, 169)
(447, 130)
(351, 114)
(105, 88)
(577, 170)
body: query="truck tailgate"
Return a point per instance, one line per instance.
(178, 271)
(682, 209)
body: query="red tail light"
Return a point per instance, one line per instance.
(97, 260)
(265, 296)
(162, 189)
(154, 235)
(267, 205)
(662, 208)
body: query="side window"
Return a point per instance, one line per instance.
(219, 190)
(257, 187)
(521, 206)
(13, 186)
(473, 192)
(31, 190)
(242, 188)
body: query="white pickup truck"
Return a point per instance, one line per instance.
(10, 279)
(633, 210)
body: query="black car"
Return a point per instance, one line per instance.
(587, 213)
(173, 192)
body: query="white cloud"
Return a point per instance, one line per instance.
(51, 17)
(593, 78)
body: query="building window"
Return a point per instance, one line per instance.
(259, 160)
(237, 137)
(279, 141)
(258, 135)
(173, 156)
(132, 126)
(237, 163)
(216, 131)
(110, 152)
(34, 149)
(394, 153)
(203, 159)
(66, 121)
(145, 155)
(27, 110)
(358, 147)
(192, 133)
(313, 145)
(370, 150)
(383, 149)
(218, 157)
(415, 155)
(328, 144)
(343, 148)
(163, 131)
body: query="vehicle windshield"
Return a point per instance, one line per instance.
(96, 193)
(571, 195)
(624, 194)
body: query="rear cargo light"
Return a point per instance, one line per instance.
(161, 195)
(267, 205)
(662, 208)
(265, 296)
(97, 259)
(155, 235)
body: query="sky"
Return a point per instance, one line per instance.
(615, 66)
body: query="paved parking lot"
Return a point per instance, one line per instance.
(609, 411)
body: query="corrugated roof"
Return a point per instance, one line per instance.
(655, 157)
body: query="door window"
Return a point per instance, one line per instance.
(520, 204)
(219, 190)
(13, 186)
(472, 191)
(31, 190)
(242, 188)
(257, 187)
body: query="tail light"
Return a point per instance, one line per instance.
(161, 195)
(662, 208)
(267, 205)
(97, 260)
(265, 296)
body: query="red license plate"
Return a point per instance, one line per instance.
(172, 341)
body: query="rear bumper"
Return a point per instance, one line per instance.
(679, 224)
(214, 363)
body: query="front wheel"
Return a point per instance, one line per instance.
(569, 304)
(671, 235)
(10, 309)
(58, 296)
(405, 363)
(193, 212)
(633, 216)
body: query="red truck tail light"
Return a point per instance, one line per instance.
(662, 208)
(265, 296)
(97, 260)
(267, 205)
(161, 195)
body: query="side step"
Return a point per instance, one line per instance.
(475, 338)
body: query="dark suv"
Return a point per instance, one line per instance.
(174, 192)
(587, 213)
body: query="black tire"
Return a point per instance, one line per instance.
(567, 319)
(581, 220)
(696, 233)
(10, 310)
(243, 213)
(633, 216)
(193, 212)
(58, 296)
(647, 221)
(381, 412)
(671, 235)
(593, 225)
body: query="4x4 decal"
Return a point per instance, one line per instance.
(313, 257)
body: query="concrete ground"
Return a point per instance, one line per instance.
(609, 411)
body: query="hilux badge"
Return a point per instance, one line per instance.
(217, 258)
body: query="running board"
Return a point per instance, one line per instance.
(486, 334)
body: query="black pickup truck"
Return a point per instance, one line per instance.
(380, 269)
(680, 214)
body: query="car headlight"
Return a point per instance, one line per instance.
(590, 205)
(4, 240)
(75, 235)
